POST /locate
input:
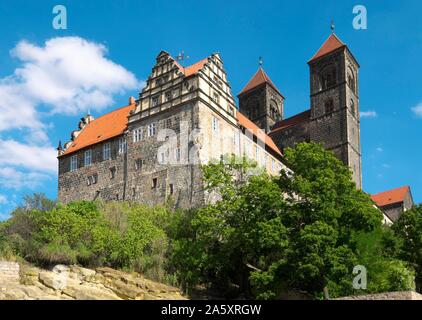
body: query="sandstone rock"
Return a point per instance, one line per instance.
(74, 282)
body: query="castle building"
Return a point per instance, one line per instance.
(152, 149)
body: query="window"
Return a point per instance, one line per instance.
(177, 154)
(154, 183)
(168, 95)
(236, 138)
(122, 145)
(74, 163)
(112, 172)
(215, 124)
(216, 97)
(152, 129)
(138, 164)
(351, 80)
(274, 111)
(92, 179)
(88, 157)
(171, 188)
(328, 77)
(155, 101)
(137, 135)
(352, 107)
(231, 111)
(106, 151)
(176, 93)
(329, 106)
(168, 123)
(162, 158)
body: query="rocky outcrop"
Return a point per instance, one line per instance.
(26, 282)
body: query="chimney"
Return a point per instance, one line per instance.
(131, 100)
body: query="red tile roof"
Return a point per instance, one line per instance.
(259, 78)
(103, 128)
(248, 124)
(391, 196)
(292, 121)
(331, 44)
(192, 69)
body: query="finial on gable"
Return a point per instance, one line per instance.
(332, 26)
(261, 62)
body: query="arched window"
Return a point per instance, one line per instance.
(327, 77)
(274, 111)
(351, 80)
(352, 107)
(329, 106)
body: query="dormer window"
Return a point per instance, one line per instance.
(168, 95)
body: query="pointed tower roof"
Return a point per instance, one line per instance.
(259, 78)
(331, 44)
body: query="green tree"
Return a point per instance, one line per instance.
(409, 230)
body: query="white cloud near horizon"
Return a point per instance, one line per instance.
(64, 75)
(368, 114)
(11, 178)
(417, 110)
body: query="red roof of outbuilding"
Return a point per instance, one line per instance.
(259, 78)
(391, 196)
(331, 44)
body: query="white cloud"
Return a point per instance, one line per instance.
(67, 75)
(3, 199)
(32, 157)
(379, 149)
(368, 114)
(417, 110)
(10, 178)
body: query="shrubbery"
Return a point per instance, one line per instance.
(265, 236)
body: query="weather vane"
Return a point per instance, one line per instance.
(260, 61)
(332, 26)
(181, 56)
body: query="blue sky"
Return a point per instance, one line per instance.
(122, 38)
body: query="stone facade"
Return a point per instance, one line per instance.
(184, 118)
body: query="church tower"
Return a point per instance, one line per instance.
(261, 101)
(334, 119)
